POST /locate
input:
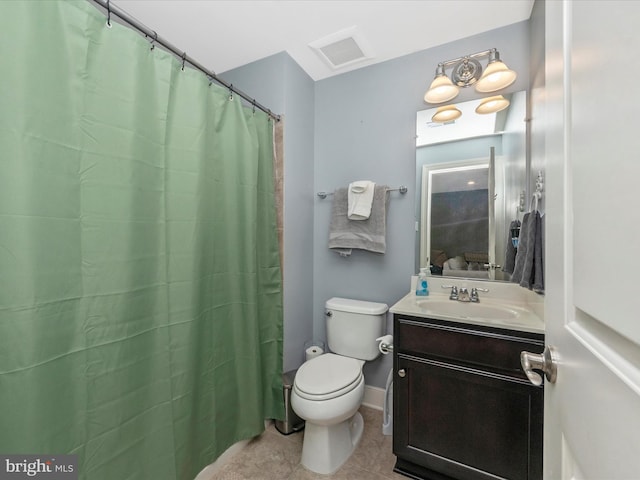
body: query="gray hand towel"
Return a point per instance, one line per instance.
(369, 234)
(538, 259)
(528, 270)
(523, 244)
(510, 254)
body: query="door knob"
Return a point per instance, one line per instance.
(545, 361)
(402, 373)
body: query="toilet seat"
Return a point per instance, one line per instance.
(328, 376)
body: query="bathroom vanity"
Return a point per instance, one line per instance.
(463, 407)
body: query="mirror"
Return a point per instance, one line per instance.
(471, 177)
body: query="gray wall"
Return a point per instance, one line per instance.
(355, 126)
(365, 129)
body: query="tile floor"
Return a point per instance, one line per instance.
(273, 456)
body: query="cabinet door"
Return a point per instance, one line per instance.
(467, 424)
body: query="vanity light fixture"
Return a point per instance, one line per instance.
(492, 105)
(467, 71)
(446, 113)
(496, 76)
(442, 88)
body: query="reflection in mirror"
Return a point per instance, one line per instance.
(464, 227)
(455, 219)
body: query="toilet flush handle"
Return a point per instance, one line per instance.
(402, 373)
(328, 313)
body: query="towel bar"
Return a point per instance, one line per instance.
(402, 189)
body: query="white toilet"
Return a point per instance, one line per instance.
(328, 390)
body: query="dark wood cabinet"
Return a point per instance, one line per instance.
(463, 407)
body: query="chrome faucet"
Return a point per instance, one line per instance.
(474, 294)
(454, 291)
(464, 295)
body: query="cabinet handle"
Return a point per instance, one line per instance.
(402, 373)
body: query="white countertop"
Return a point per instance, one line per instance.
(511, 314)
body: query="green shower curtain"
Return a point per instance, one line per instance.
(140, 284)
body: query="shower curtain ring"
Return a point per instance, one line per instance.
(184, 57)
(108, 14)
(254, 106)
(231, 92)
(154, 39)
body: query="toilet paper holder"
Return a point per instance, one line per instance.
(385, 344)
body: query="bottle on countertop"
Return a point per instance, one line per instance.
(422, 287)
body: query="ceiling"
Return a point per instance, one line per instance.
(225, 34)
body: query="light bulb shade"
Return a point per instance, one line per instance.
(492, 105)
(446, 113)
(495, 77)
(441, 90)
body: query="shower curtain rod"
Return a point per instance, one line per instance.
(155, 39)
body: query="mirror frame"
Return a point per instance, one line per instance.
(428, 171)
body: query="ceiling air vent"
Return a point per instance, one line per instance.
(342, 48)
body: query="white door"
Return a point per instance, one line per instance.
(592, 206)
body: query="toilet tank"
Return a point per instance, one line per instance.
(353, 326)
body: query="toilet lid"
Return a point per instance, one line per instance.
(328, 373)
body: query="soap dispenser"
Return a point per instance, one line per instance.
(422, 288)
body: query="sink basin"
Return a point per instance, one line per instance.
(508, 310)
(452, 308)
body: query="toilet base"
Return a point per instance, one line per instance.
(326, 448)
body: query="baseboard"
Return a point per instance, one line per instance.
(373, 397)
